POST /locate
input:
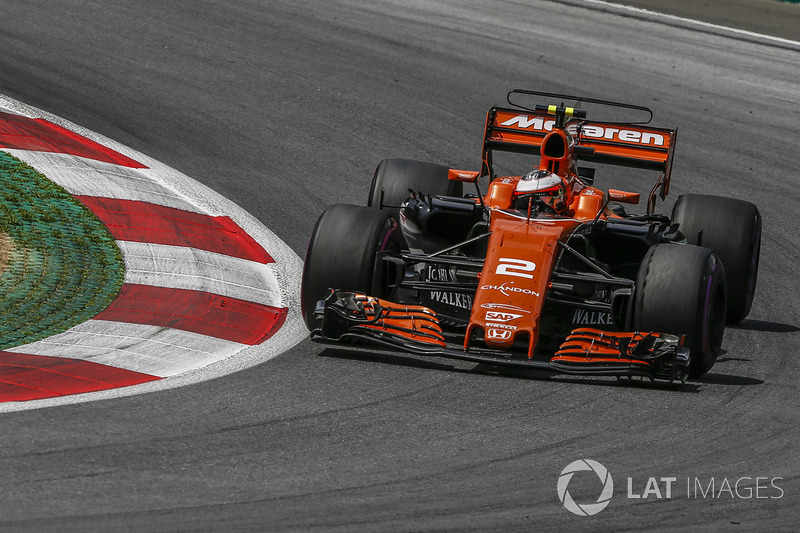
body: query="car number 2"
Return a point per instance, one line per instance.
(515, 267)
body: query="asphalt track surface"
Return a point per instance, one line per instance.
(285, 108)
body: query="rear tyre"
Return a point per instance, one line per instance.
(732, 229)
(680, 289)
(341, 254)
(394, 177)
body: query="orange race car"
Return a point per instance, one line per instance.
(542, 269)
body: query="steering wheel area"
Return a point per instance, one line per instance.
(547, 207)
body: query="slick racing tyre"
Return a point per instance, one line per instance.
(341, 254)
(680, 289)
(732, 229)
(394, 177)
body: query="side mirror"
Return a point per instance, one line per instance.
(467, 176)
(623, 196)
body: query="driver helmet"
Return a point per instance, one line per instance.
(542, 184)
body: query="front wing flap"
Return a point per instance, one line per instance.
(662, 355)
(355, 317)
(352, 314)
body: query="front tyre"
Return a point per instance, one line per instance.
(680, 289)
(732, 229)
(341, 254)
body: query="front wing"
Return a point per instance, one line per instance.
(353, 317)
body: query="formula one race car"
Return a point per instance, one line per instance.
(541, 270)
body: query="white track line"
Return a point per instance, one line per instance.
(693, 22)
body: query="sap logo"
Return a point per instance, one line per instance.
(494, 316)
(498, 334)
(582, 316)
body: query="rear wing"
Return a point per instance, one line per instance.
(632, 145)
(624, 144)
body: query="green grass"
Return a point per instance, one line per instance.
(64, 267)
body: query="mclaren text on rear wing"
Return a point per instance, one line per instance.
(624, 144)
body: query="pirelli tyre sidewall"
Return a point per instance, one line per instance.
(341, 253)
(732, 229)
(394, 177)
(680, 289)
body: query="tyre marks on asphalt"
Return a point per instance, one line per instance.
(198, 289)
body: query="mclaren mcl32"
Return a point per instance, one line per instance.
(541, 269)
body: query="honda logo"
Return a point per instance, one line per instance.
(498, 334)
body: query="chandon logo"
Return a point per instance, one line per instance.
(507, 288)
(587, 509)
